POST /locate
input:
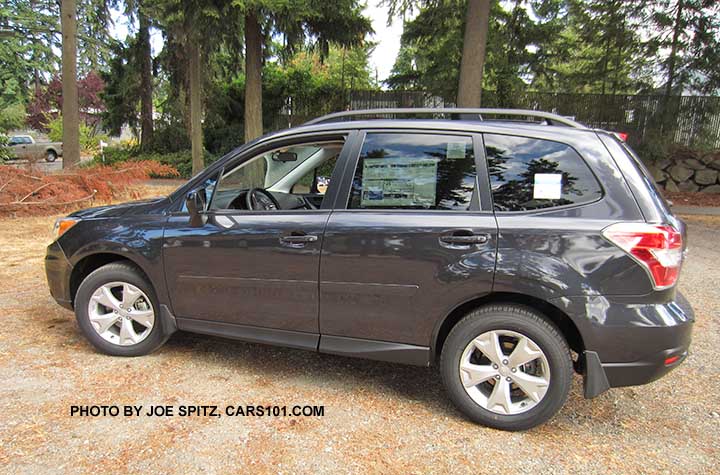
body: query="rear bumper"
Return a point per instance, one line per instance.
(58, 271)
(628, 344)
(649, 369)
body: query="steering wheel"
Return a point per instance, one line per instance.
(259, 200)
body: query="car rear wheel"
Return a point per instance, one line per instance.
(506, 367)
(117, 310)
(51, 156)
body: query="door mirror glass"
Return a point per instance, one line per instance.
(195, 203)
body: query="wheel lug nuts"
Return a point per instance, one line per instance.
(497, 376)
(508, 379)
(505, 361)
(513, 370)
(495, 366)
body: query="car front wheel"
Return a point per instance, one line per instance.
(117, 310)
(51, 156)
(506, 367)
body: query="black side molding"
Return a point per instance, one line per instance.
(595, 380)
(375, 350)
(270, 336)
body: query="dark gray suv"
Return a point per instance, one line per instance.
(508, 251)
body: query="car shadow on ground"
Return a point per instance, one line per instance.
(388, 381)
(415, 383)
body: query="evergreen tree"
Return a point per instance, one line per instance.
(685, 39)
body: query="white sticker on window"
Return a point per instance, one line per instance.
(455, 150)
(401, 181)
(547, 186)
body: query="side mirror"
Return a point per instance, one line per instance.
(195, 204)
(284, 157)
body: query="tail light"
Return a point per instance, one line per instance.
(658, 248)
(622, 136)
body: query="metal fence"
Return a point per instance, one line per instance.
(693, 121)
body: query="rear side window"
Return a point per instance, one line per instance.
(414, 171)
(528, 174)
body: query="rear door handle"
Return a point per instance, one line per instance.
(298, 238)
(464, 239)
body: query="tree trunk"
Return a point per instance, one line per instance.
(473, 55)
(146, 86)
(253, 79)
(253, 94)
(70, 106)
(195, 86)
(672, 59)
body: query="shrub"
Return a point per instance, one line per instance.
(89, 140)
(12, 117)
(4, 152)
(180, 161)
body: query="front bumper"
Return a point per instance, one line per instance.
(58, 271)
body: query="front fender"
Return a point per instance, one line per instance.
(138, 239)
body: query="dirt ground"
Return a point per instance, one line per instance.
(693, 199)
(379, 418)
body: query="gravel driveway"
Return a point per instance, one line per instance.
(379, 417)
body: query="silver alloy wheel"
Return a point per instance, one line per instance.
(121, 313)
(504, 372)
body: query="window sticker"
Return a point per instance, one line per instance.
(455, 150)
(547, 186)
(401, 181)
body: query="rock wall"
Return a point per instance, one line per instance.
(688, 173)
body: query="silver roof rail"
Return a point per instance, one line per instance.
(551, 118)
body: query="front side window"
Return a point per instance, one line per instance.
(528, 174)
(414, 171)
(278, 175)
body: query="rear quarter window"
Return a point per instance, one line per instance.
(528, 174)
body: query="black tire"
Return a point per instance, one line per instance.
(528, 323)
(51, 156)
(114, 272)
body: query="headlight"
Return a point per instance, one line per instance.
(62, 225)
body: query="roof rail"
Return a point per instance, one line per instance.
(551, 119)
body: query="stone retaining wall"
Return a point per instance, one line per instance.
(688, 174)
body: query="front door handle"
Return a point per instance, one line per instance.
(298, 238)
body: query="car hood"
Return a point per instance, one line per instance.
(122, 209)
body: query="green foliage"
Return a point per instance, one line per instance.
(30, 48)
(431, 49)
(304, 86)
(685, 43)
(4, 152)
(89, 140)
(550, 45)
(12, 117)
(598, 50)
(122, 89)
(27, 50)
